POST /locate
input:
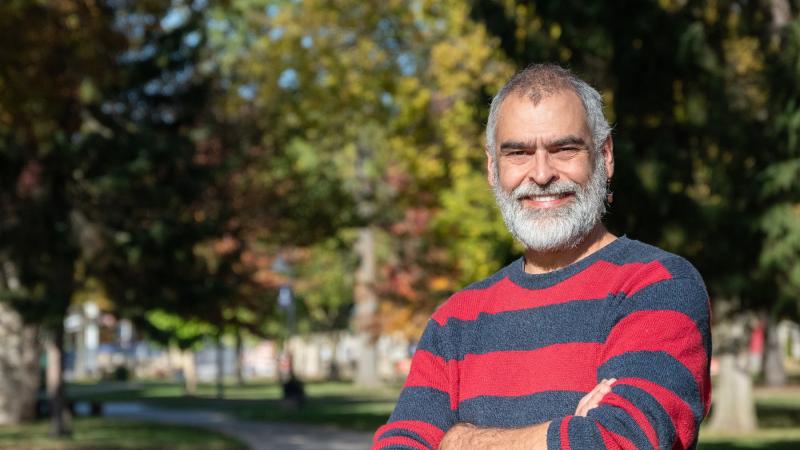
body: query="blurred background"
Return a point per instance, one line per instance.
(236, 214)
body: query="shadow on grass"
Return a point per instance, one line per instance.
(337, 404)
(778, 416)
(350, 413)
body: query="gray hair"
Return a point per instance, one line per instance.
(539, 81)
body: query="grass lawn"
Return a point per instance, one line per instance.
(348, 406)
(340, 404)
(97, 434)
(778, 413)
(771, 438)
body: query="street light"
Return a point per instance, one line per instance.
(286, 301)
(293, 389)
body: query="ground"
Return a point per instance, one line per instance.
(336, 416)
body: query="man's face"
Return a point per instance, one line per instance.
(549, 182)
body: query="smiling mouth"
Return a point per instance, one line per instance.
(546, 201)
(545, 198)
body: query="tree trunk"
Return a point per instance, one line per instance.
(734, 407)
(366, 307)
(220, 367)
(333, 370)
(19, 368)
(239, 356)
(59, 288)
(774, 371)
(59, 413)
(189, 372)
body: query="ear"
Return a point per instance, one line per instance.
(490, 167)
(608, 155)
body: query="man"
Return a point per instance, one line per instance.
(590, 340)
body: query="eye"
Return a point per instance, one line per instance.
(516, 156)
(565, 152)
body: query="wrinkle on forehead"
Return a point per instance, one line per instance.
(558, 123)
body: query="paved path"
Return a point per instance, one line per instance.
(258, 435)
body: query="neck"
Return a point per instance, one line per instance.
(543, 262)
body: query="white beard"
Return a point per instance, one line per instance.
(558, 228)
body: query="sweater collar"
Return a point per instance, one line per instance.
(516, 270)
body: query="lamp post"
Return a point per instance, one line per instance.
(293, 389)
(286, 301)
(285, 294)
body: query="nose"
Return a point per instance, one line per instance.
(542, 171)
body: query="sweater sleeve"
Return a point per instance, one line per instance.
(425, 409)
(658, 349)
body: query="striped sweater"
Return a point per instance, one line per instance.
(518, 349)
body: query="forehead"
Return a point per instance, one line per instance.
(556, 114)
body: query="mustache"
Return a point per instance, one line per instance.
(530, 189)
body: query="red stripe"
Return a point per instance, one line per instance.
(557, 367)
(593, 283)
(430, 433)
(636, 414)
(706, 390)
(429, 370)
(678, 410)
(671, 332)
(642, 276)
(563, 431)
(399, 440)
(614, 441)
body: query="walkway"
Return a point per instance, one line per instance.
(258, 435)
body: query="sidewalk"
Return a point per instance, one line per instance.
(258, 435)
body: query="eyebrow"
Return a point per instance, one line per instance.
(560, 142)
(566, 140)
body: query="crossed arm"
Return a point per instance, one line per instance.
(534, 437)
(657, 349)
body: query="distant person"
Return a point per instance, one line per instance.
(294, 392)
(589, 340)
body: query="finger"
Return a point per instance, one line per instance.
(586, 397)
(586, 400)
(598, 395)
(590, 402)
(592, 399)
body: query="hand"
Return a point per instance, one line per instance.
(591, 400)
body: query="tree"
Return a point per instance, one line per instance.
(374, 108)
(170, 329)
(54, 55)
(677, 75)
(779, 222)
(99, 159)
(19, 358)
